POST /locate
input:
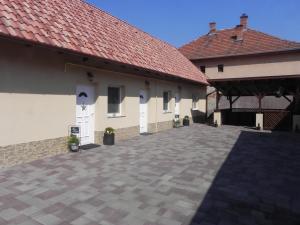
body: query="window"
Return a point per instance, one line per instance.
(221, 68)
(166, 101)
(194, 101)
(114, 100)
(203, 69)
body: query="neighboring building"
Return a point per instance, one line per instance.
(240, 56)
(66, 62)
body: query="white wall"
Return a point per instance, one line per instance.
(38, 95)
(253, 66)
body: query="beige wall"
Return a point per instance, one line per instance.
(253, 66)
(38, 99)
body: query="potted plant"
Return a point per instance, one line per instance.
(109, 136)
(176, 123)
(216, 123)
(186, 121)
(73, 143)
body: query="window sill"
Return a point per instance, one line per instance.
(195, 109)
(166, 112)
(115, 116)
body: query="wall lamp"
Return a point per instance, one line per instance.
(90, 76)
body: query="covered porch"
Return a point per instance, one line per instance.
(256, 115)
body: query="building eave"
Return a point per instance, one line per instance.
(126, 68)
(245, 55)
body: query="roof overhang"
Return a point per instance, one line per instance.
(233, 79)
(297, 50)
(106, 64)
(267, 86)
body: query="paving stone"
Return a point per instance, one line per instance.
(9, 214)
(195, 175)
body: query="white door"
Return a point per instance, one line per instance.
(177, 104)
(143, 112)
(85, 113)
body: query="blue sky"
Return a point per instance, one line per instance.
(180, 21)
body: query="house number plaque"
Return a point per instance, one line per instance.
(75, 130)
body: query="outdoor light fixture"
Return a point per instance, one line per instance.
(90, 76)
(147, 84)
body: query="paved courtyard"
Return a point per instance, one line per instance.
(187, 176)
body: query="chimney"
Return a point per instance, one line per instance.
(212, 27)
(244, 21)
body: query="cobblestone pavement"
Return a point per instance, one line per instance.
(187, 176)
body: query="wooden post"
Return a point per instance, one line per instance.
(230, 102)
(297, 101)
(260, 97)
(259, 116)
(217, 100)
(259, 103)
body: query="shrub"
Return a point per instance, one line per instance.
(73, 139)
(109, 130)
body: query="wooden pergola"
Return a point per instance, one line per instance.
(283, 86)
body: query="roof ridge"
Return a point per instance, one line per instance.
(227, 29)
(254, 42)
(205, 35)
(275, 36)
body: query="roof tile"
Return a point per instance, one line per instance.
(81, 27)
(222, 44)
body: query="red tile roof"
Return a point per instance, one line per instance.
(223, 44)
(80, 27)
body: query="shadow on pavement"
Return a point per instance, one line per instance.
(259, 183)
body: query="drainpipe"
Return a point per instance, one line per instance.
(156, 125)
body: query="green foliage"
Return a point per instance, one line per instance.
(186, 118)
(73, 139)
(109, 130)
(176, 123)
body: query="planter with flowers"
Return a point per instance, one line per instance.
(73, 143)
(109, 136)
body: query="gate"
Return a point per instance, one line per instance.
(277, 120)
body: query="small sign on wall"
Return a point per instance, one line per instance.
(74, 130)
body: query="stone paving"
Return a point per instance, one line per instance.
(187, 176)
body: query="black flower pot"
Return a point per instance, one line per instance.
(109, 139)
(74, 147)
(186, 123)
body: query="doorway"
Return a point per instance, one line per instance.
(85, 113)
(143, 111)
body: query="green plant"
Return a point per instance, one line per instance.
(186, 118)
(176, 123)
(73, 139)
(109, 130)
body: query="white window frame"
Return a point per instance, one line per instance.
(168, 110)
(119, 114)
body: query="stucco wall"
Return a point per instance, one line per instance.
(38, 99)
(253, 66)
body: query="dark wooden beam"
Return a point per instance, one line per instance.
(235, 99)
(289, 100)
(260, 97)
(218, 100)
(229, 98)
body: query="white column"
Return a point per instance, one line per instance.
(259, 120)
(218, 118)
(296, 122)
